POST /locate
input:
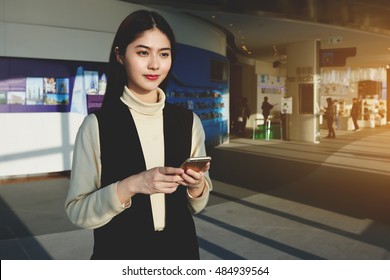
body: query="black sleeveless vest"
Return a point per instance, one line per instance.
(131, 234)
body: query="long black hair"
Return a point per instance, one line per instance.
(131, 28)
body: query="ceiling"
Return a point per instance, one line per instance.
(261, 29)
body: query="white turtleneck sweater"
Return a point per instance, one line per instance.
(90, 206)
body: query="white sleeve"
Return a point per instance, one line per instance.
(199, 149)
(87, 204)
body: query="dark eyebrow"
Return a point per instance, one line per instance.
(142, 46)
(146, 47)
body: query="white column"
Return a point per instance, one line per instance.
(302, 84)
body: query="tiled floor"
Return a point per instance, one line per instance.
(271, 200)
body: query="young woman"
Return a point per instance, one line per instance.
(126, 183)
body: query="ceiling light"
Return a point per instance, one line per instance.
(335, 40)
(244, 48)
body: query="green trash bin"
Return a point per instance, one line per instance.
(260, 132)
(275, 131)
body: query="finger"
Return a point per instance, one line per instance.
(165, 187)
(169, 177)
(206, 168)
(192, 177)
(194, 174)
(170, 170)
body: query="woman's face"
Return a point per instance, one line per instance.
(147, 61)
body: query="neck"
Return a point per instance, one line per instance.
(151, 97)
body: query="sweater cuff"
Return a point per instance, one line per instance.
(116, 203)
(205, 190)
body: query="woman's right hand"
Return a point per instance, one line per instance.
(158, 180)
(155, 180)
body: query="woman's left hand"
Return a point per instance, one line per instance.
(195, 180)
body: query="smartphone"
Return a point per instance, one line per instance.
(195, 163)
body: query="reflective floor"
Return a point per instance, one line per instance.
(271, 200)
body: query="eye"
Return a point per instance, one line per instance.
(165, 54)
(142, 53)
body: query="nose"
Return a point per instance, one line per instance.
(154, 63)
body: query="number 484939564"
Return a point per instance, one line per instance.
(241, 270)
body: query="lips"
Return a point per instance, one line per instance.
(152, 77)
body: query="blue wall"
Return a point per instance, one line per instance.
(192, 87)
